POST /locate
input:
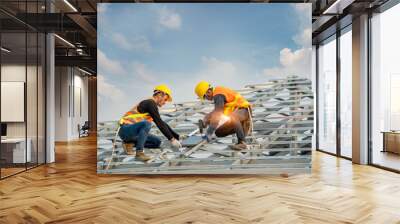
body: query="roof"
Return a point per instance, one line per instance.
(280, 143)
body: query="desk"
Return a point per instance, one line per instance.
(13, 150)
(391, 141)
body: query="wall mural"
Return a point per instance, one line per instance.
(204, 89)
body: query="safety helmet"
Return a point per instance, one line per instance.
(201, 89)
(165, 89)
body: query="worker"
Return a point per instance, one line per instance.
(136, 123)
(232, 113)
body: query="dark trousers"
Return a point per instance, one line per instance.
(235, 125)
(138, 133)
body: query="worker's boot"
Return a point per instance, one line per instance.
(240, 146)
(141, 156)
(128, 148)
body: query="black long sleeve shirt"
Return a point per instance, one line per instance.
(149, 106)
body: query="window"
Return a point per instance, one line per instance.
(346, 93)
(22, 88)
(327, 95)
(385, 88)
(314, 88)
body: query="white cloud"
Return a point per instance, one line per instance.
(213, 70)
(169, 19)
(296, 61)
(303, 38)
(139, 43)
(107, 65)
(222, 72)
(112, 100)
(302, 7)
(143, 73)
(102, 7)
(292, 63)
(138, 85)
(303, 13)
(216, 70)
(107, 90)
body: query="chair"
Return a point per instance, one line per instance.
(84, 130)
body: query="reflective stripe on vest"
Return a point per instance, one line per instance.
(133, 116)
(234, 100)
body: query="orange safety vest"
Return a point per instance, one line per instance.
(234, 100)
(133, 116)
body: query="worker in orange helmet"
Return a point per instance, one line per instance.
(231, 115)
(135, 125)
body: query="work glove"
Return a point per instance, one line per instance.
(207, 138)
(176, 144)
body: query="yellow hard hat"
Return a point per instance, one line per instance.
(201, 89)
(165, 89)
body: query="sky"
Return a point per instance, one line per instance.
(233, 45)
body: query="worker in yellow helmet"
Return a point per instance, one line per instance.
(232, 113)
(136, 123)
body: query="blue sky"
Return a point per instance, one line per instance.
(142, 45)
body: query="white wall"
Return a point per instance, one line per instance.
(79, 112)
(61, 103)
(71, 93)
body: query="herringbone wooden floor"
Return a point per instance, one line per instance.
(70, 191)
